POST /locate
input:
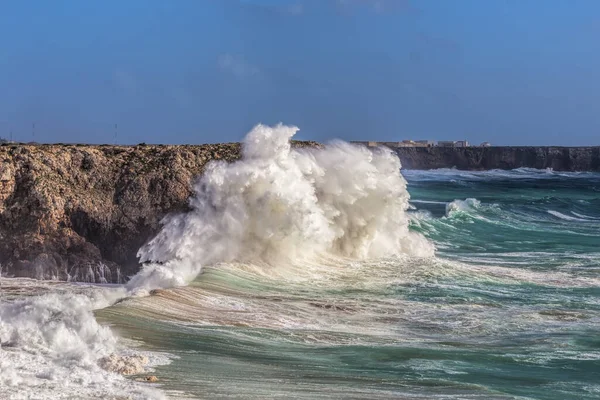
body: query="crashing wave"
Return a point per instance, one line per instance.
(279, 204)
(275, 205)
(458, 205)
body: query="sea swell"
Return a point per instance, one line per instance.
(509, 300)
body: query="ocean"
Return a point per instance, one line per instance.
(330, 274)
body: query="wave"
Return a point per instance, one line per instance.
(563, 216)
(449, 174)
(52, 347)
(469, 204)
(514, 216)
(583, 216)
(281, 205)
(531, 224)
(277, 205)
(428, 202)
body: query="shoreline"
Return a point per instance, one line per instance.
(81, 212)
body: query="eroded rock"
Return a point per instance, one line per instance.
(81, 212)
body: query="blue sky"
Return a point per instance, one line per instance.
(512, 72)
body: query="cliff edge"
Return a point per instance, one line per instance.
(81, 212)
(483, 158)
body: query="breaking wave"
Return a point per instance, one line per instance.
(563, 216)
(276, 205)
(466, 205)
(282, 205)
(52, 347)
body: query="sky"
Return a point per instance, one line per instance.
(511, 72)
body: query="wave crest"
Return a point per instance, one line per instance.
(279, 204)
(458, 205)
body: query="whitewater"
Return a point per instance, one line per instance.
(277, 206)
(313, 273)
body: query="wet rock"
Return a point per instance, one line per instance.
(81, 212)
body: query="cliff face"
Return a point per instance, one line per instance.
(482, 158)
(82, 212)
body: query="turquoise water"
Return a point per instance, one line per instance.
(508, 308)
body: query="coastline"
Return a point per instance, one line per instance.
(570, 159)
(81, 212)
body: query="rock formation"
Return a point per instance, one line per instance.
(81, 212)
(483, 158)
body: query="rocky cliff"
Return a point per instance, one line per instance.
(74, 212)
(482, 158)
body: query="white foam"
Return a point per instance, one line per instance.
(449, 174)
(428, 202)
(584, 216)
(278, 204)
(51, 345)
(563, 216)
(462, 205)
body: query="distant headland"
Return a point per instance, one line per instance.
(461, 155)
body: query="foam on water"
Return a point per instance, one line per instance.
(583, 216)
(275, 206)
(462, 205)
(301, 304)
(449, 174)
(281, 205)
(563, 216)
(50, 344)
(509, 309)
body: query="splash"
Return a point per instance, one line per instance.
(51, 345)
(282, 205)
(277, 205)
(458, 205)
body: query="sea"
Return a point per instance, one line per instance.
(332, 274)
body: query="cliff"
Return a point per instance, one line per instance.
(483, 158)
(79, 212)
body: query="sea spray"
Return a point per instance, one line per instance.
(279, 205)
(274, 206)
(51, 346)
(462, 206)
(509, 309)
